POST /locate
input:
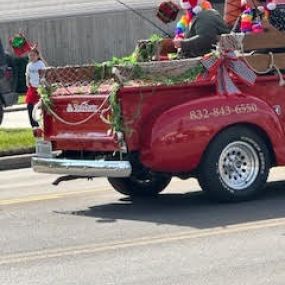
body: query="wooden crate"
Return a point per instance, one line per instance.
(271, 38)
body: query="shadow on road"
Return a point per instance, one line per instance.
(191, 209)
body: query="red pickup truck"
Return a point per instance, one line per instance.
(228, 143)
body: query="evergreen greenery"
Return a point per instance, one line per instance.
(45, 93)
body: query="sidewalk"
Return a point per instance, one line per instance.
(16, 117)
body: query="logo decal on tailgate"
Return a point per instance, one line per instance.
(81, 108)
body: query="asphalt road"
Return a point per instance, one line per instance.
(84, 233)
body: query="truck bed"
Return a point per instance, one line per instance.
(140, 104)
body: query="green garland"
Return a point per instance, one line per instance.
(186, 77)
(147, 50)
(45, 93)
(94, 86)
(104, 70)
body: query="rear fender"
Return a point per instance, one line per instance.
(177, 139)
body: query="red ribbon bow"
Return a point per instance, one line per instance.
(220, 69)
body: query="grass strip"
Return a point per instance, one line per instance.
(14, 139)
(21, 100)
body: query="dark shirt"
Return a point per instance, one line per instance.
(202, 36)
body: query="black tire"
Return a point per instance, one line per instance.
(146, 184)
(1, 113)
(235, 166)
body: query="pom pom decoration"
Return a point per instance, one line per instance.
(185, 4)
(167, 12)
(183, 25)
(20, 45)
(271, 6)
(250, 21)
(206, 5)
(257, 28)
(246, 21)
(196, 10)
(261, 9)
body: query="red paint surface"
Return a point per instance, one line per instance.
(158, 122)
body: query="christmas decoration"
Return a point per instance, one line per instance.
(246, 21)
(250, 21)
(167, 12)
(219, 66)
(20, 45)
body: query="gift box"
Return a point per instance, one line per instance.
(20, 45)
(167, 12)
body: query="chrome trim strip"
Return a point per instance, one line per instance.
(84, 168)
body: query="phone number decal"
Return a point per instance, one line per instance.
(204, 114)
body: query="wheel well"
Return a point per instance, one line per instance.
(259, 131)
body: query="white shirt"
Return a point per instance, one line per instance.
(32, 73)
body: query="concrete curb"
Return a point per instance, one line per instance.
(15, 162)
(15, 108)
(17, 152)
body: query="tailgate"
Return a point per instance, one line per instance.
(77, 123)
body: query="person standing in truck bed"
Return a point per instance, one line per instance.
(202, 33)
(33, 81)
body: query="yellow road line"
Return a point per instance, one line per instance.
(144, 241)
(47, 197)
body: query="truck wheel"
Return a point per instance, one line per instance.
(1, 113)
(146, 184)
(235, 166)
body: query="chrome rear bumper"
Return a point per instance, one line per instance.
(84, 168)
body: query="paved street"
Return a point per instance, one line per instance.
(16, 120)
(85, 233)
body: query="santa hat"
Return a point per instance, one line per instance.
(194, 5)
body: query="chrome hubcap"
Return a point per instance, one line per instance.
(239, 165)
